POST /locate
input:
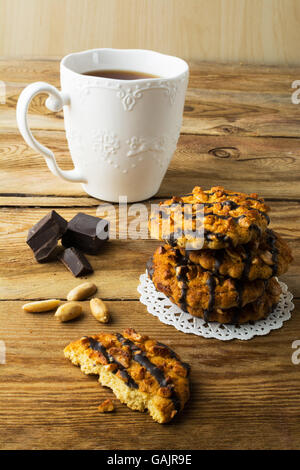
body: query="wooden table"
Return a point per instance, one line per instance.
(240, 130)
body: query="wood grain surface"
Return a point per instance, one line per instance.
(249, 388)
(239, 130)
(222, 100)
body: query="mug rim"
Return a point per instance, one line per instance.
(175, 59)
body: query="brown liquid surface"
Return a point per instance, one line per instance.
(120, 74)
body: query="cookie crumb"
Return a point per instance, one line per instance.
(106, 406)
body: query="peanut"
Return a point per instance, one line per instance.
(68, 311)
(99, 310)
(82, 291)
(41, 306)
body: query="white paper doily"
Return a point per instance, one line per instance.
(160, 306)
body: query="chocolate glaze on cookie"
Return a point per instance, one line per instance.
(269, 256)
(229, 218)
(199, 291)
(97, 346)
(211, 282)
(140, 357)
(274, 250)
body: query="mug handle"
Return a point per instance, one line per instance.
(55, 101)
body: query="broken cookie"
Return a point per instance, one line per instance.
(142, 372)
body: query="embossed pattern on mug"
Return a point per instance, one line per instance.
(130, 94)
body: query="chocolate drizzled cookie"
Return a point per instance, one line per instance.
(226, 219)
(192, 287)
(267, 257)
(142, 372)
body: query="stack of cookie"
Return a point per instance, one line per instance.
(219, 260)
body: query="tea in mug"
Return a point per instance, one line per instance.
(120, 74)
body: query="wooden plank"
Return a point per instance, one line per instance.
(241, 100)
(42, 200)
(119, 264)
(209, 74)
(250, 387)
(221, 99)
(268, 166)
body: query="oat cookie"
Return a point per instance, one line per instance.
(203, 300)
(142, 372)
(230, 218)
(193, 288)
(254, 311)
(263, 259)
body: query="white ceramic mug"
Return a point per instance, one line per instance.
(121, 133)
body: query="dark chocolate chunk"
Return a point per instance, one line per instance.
(47, 252)
(76, 262)
(44, 235)
(87, 233)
